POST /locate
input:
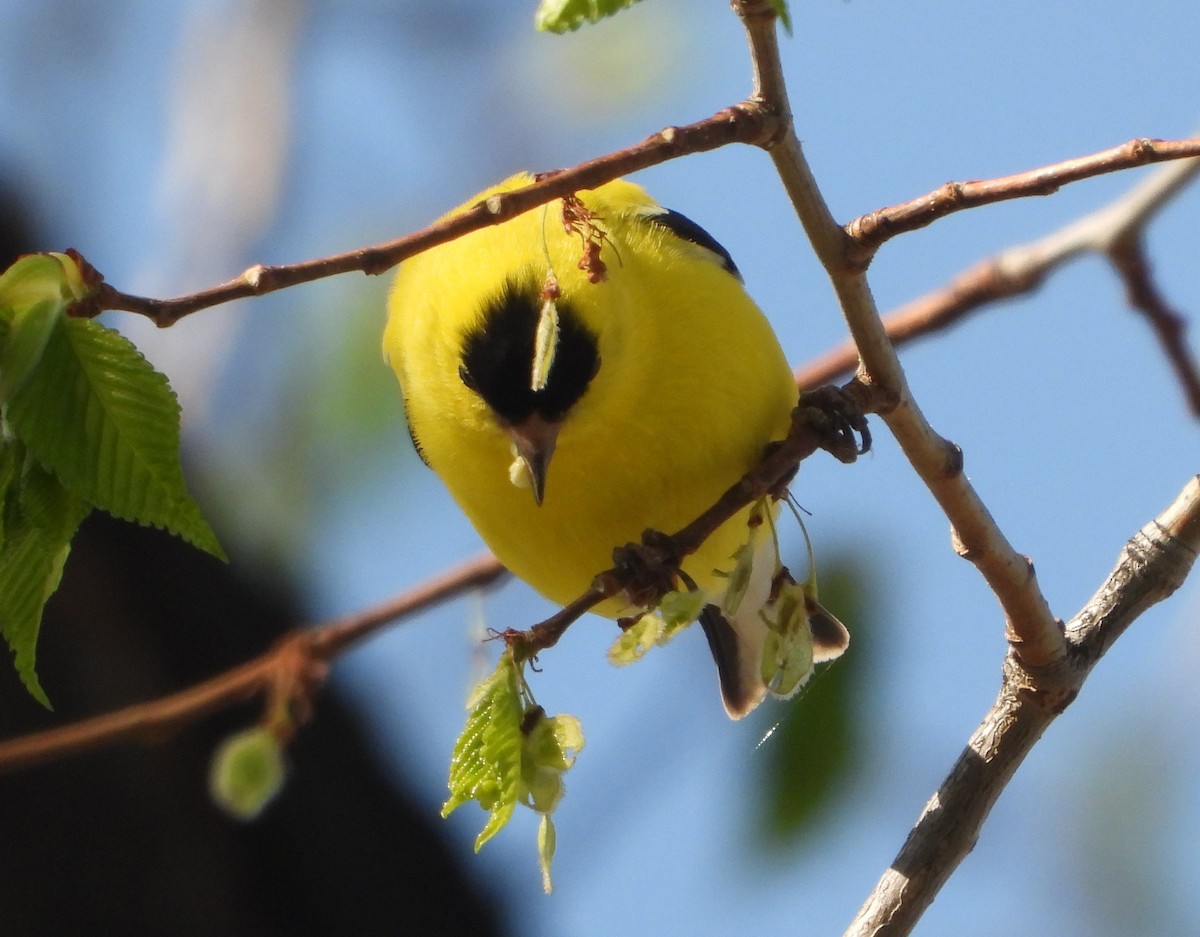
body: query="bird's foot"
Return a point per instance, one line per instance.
(647, 570)
(839, 420)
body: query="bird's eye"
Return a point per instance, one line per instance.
(465, 375)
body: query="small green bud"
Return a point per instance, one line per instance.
(247, 772)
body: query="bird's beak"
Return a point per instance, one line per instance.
(534, 440)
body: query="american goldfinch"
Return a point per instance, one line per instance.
(591, 369)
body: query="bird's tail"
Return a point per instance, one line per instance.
(771, 640)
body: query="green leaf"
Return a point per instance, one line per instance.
(679, 609)
(46, 504)
(12, 457)
(107, 424)
(635, 641)
(550, 748)
(35, 292)
(676, 610)
(785, 17)
(547, 842)
(247, 771)
(486, 763)
(511, 752)
(37, 277)
(552, 744)
(560, 16)
(787, 657)
(29, 570)
(39, 519)
(28, 331)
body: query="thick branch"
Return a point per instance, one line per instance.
(1030, 625)
(1150, 567)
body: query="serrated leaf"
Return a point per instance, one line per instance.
(107, 424)
(247, 771)
(12, 456)
(27, 565)
(486, 763)
(40, 518)
(47, 505)
(560, 16)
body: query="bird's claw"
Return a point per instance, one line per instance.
(647, 570)
(838, 419)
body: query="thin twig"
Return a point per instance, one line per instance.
(659, 556)
(757, 121)
(743, 123)
(1128, 256)
(1030, 625)
(870, 231)
(293, 667)
(1151, 566)
(1022, 268)
(297, 664)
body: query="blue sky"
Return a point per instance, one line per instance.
(323, 126)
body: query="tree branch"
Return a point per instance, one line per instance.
(295, 667)
(1046, 664)
(1128, 256)
(1152, 565)
(870, 231)
(743, 123)
(648, 569)
(1031, 627)
(1113, 231)
(290, 672)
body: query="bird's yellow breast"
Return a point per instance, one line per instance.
(691, 386)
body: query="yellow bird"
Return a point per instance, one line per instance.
(588, 370)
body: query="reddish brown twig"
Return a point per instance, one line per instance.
(292, 669)
(813, 427)
(1114, 231)
(744, 123)
(1128, 256)
(870, 231)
